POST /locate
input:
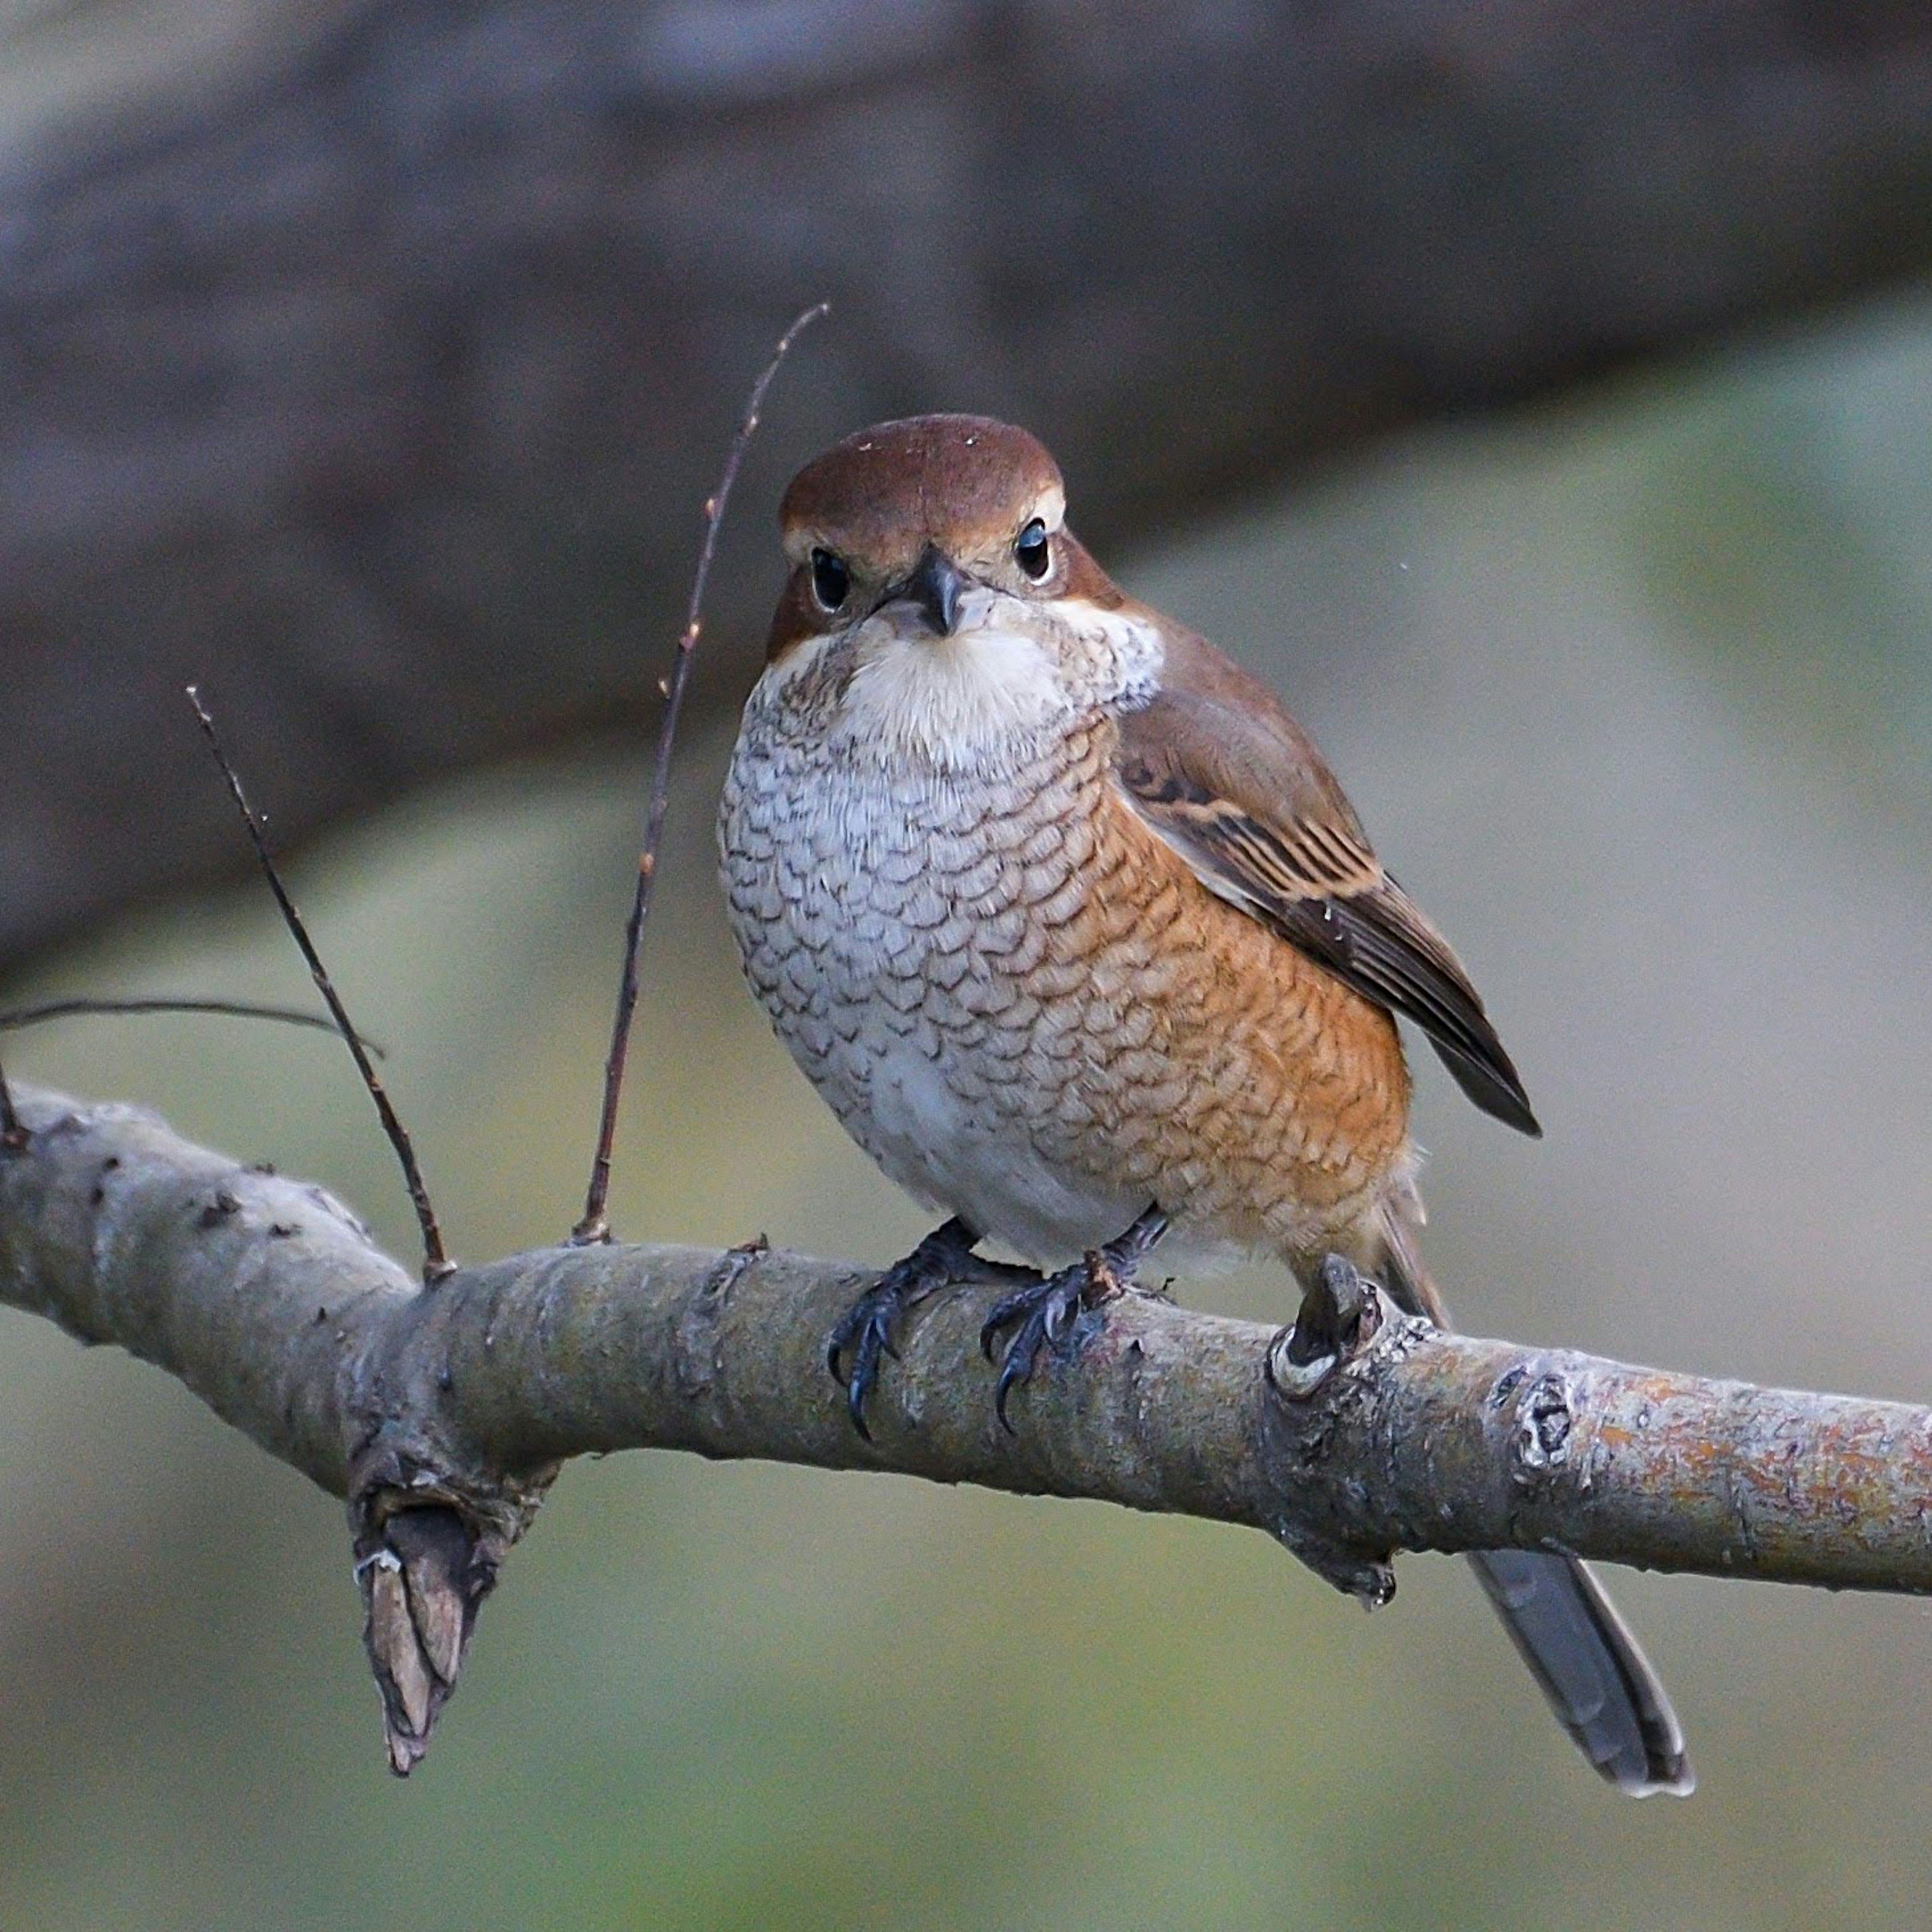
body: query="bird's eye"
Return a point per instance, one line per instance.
(1030, 551)
(831, 581)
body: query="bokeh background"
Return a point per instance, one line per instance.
(1632, 686)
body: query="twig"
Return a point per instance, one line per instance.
(436, 1263)
(594, 1225)
(17, 1019)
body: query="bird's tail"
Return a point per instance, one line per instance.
(1561, 1619)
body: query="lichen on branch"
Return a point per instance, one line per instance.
(442, 1413)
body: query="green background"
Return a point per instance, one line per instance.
(1635, 694)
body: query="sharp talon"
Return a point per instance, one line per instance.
(1046, 1313)
(1049, 1311)
(1008, 1309)
(1059, 1316)
(1016, 1369)
(864, 1333)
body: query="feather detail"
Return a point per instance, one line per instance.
(1216, 768)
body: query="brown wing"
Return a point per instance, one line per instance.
(1220, 771)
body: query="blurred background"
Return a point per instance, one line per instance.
(1541, 400)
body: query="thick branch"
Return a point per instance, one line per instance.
(442, 1413)
(380, 388)
(269, 1301)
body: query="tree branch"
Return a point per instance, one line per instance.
(442, 1413)
(375, 384)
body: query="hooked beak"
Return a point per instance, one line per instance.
(934, 585)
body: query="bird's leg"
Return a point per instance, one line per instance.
(1046, 1310)
(864, 1331)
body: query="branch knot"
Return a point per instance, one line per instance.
(1339, 1317)
(1546, 1417)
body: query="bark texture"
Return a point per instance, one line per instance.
(442, 1413)
(377, 382)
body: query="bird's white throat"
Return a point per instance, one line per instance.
(942, 700)
(1009, 673)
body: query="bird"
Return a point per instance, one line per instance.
(1071, 924)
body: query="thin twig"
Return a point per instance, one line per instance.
(18, 1019)
(595, 1225)
(437, 1263)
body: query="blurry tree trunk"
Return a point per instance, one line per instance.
(373, 374)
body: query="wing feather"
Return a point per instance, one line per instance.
(1229, 780)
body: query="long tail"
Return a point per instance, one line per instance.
(1560, 1617)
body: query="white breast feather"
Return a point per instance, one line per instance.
(947, 701)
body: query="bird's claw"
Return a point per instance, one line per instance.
(864, 1333)
(1049, 1311)
(1046, 1313)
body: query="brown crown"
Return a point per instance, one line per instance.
(964, 483)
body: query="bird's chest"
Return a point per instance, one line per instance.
(868, 899)
(906, 930)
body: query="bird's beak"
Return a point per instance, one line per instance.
(934, 585)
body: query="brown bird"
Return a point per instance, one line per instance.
(1069, 922)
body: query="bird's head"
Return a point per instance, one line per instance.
(933, 552)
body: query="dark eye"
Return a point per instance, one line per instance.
(1030, 551)
(830, 579)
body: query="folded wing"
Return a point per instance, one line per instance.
(1217, 768)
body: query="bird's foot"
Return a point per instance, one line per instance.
(864, 1333)
(1047, 1311)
